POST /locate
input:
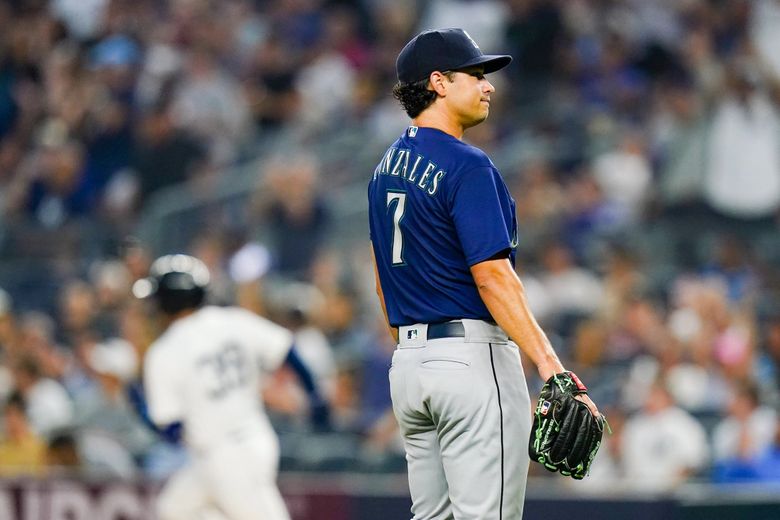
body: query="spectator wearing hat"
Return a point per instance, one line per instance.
(112, 437)
(47, 404)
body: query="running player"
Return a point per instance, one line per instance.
(201, 378)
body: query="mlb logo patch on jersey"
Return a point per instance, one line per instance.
(545, 408)
(411, 334)
(412, 131)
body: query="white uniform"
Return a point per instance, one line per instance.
(204, 372)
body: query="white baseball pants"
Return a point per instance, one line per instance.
(233, 481)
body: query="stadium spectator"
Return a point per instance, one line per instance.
(37, 340)
(296, 213)
(662, 445)
(270, 86)
(62, 456)
(541, 203)
(338, 312)
(623, 280)
(50, 187)
(574, 292)
(47, 404)
(767, 463)
(732, 266)
(22, 451)
(165, 155)
(108, 138)
(108, 414)
(534, 33)
(80, 312)
(297, 306)
(762, 468)
(325, 81)
(590, 217)
(111, 281)
(749, 428)
(679, 129)
(743, 172)
(209, 102)
(624, 175)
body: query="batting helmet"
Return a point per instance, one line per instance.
(176, 282)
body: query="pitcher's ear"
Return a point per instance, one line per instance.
(437, 81)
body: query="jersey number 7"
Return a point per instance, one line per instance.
(399, 197)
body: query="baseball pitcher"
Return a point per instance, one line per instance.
(444, 234)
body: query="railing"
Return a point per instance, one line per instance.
(385, 497)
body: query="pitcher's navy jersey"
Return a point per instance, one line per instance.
(436, 207)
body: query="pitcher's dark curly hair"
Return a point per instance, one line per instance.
(416, 97)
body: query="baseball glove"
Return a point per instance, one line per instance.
(565, 435)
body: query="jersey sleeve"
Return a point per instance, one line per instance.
(475, 208)
(270, 342)
(163, 397)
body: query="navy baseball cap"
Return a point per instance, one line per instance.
(443, 50)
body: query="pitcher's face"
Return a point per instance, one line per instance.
(468, 96)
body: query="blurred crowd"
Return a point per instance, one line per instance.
(641, 141)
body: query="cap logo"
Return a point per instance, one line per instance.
(471, 40)
(413, 131)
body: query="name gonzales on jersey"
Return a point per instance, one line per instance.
(398, 162)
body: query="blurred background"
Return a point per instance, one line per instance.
(640, 139)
